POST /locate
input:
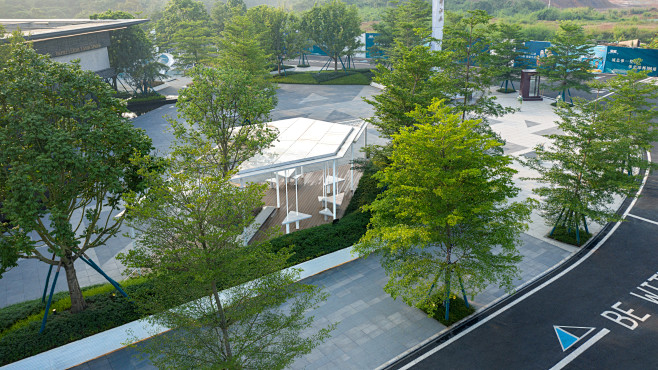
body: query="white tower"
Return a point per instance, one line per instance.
(437, 23)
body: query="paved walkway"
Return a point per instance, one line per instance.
(373, 327)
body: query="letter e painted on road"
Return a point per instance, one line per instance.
(630, 312)
(622, 320)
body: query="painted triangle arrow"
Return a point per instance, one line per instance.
(570, 335)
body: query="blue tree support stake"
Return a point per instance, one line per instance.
(463, 290)
(50, 299)
(95, 267)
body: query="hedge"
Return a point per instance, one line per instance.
(105, 311)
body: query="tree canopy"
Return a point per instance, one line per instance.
(190, 224)
(334, 27)
(65, 153)
(564, 63)
(225, 113)
(445, 210)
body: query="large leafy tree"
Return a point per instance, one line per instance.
(507, 47)
(445, 213)
(240, 47)
(223, 11)
(279, 32)
(564, 64)
(65, 154)
(407, 23)
(602, 145)
(411, 81)
(334, 28)
(225, 113)
(468, 37)
(194, 42)
(191, 224)
(130, 48)
(175, 16)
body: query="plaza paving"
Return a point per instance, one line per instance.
(373, 328)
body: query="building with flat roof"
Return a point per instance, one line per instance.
(69, 39)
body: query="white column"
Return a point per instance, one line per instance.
(278, 199)
(352, 168)
(296, 203)
(334, 183)
(287, 213)
(437, 23)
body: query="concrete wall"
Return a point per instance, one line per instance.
(90, 60)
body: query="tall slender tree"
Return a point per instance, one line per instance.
(564, 63)
(445, 213)
(599, 155)
(231, 306)
(507, 47)
(225, 113)
(334, 27)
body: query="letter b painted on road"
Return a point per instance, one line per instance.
(622, 320)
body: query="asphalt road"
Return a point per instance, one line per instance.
(601, 313)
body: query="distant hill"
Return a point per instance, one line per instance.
(596, 4)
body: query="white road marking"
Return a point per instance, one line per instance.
(643, 219)
(565, 361)
(545, 284)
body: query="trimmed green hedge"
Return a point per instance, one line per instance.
(434, 307)
(352, 77)
(105, 311)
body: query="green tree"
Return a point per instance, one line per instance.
(408, 23)
(193, 40)
(224, 115)
(564, 63)
(603, 143)
(468, 37)
(240, 47)
(411, 81)
(65, 154)
(279, 32)
(174, 16)
(334, 27)
(506, 50)
(222, 12)
(190, 226)
(445, 211)
(129, 47)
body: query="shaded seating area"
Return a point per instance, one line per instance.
(302, 144)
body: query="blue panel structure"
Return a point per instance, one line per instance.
(618, 60)
(534, 50)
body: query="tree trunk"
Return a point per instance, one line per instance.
(77, 300)
(223, 324)
(336, 64)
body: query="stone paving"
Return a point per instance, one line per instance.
(373, 328)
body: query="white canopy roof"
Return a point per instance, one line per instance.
(302, 141)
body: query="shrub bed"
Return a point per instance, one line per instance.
(435, 308)
(561, 234)
(106, 309)
(351, 77)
